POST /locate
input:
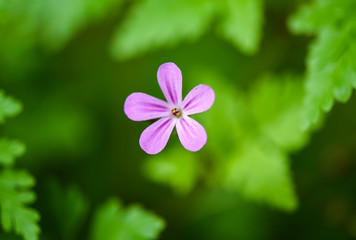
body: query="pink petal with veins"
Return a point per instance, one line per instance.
(198, 100)
(170, 80)
(191, 134)
(141, 107)
(154, 138)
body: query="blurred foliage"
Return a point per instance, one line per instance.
(331, 67)
(69, 204)
(270, 130)
(154, 24)
(47, 25)
(175, 167)
(270, 146)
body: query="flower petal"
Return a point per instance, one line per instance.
(154, 138)
(191, 134)
(170, 80)
(141, 107)
(198, 100)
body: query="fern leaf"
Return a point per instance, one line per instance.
(14, 197)
(331, 67)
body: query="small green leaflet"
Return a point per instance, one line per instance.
(112, 222)
(9, 150)
(242, 24)
(9, 107)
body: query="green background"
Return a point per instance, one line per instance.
(281, 151)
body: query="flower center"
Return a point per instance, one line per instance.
(176, 112)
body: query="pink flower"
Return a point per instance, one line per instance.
(174, 112)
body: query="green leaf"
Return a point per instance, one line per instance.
(256, 132)
(165, 23)
(14, 197)
(161, 23)
(242, 24)
(9, 150)
(331, 67)
(229, 112)
(111, 222)
(175, 167)
(260, 171)
(9, 107)
(276, 105)
(259, 167)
